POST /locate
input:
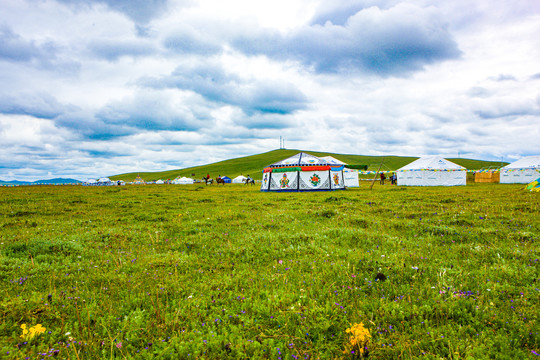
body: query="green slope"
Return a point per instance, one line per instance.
(254, 164)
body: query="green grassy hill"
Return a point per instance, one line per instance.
(254, 164)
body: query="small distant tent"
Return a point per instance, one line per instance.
(182, 181)
(185, 181)
(105, 182)
(226, 179)
(240, 179)
(534, 185)
(302, 172)
(138, 181)
(522, 171)
(160, 181)
(432, 171)
(90, 182)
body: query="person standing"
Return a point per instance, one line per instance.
(383, 177)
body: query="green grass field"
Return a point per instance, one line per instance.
(254, 164)
(180, 272)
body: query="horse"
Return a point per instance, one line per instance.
(249, 181)
(207, 180)
(220, 181)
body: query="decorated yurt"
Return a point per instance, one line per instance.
(302, 172)
(350, 176)
(432, 171)
(522, 171)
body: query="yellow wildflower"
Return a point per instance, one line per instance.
(359, 338)
(33, 331)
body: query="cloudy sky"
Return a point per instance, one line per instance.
(91, 88)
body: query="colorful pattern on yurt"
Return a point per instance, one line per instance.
(302, 172)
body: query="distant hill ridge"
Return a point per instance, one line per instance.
(41, 182)
(254, 164)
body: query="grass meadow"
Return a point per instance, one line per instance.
(185, 272)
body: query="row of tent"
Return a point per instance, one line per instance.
(305, 172)
(178, 181)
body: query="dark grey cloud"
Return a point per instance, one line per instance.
(87, 126)
(217, 85)
(140, 11)
(42, 55)
(395, 41)
(14, 48)
(154, 111)
(39, 105)
(266, 121)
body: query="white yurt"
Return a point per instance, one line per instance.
(240, 179)
(186, 181)
(432, 171)
(183, 181)
(350, 176)
(302, 172)
(522, 171)
(90, 182)
(105, 182)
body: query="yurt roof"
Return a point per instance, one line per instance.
(333, 160)
(432, 163)
(301, 159)
(528, 162)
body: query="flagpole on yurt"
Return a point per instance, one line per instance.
(377, 174)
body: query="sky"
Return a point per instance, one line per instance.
(92, 88)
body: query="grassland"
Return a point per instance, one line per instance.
(179, 272)
(254, 164)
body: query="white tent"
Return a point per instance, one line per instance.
(522, 171)
(350, 176)
(90, 182)
(183, 181)
(160, 181)
(105, 182)
(432, 171)
(240, 179)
